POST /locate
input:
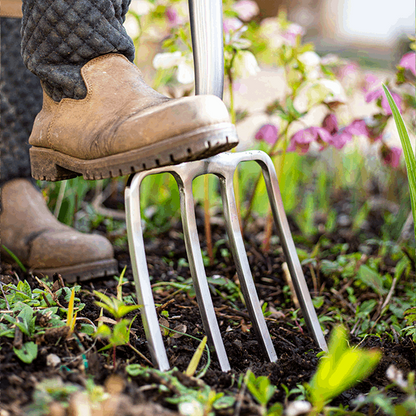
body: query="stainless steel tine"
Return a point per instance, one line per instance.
(298, 278)
(243, 268)
(184, 178)
(289, 249)
(141, 273)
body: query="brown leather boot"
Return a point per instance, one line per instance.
(45, 245)
(124, 126)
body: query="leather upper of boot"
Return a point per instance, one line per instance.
(37, 238)
(120, 113)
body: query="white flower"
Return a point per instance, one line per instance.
(319, 91)
(185, 73)
(131, 26)
(396, 376)
(271, 30)
(183, 63)
(335, 91)
(330, 59)
(192, 408)
(298, 407)
(141, 7)
(310, 59)
(246, 9)
(167, 60)
(245, 64)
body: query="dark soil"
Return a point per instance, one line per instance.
(296, 350)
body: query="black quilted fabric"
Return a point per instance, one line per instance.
(60, 36)
(21, 100)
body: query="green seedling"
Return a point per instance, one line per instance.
(119, 334)
(114, 306)
(120, 284)
(193, 365)
(261, 389)
(409, 156)
(339, 370)
(71, 317)
(410, 316)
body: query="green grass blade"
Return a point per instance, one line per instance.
(409, 156)
(15, 258)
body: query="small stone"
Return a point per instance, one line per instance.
(344, 220)
(52, 360)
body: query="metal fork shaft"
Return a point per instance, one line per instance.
(207, 46)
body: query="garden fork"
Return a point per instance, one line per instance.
(206, 28)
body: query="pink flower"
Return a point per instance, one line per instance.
(408, 61)
(379, 93)
(232, 24)
(239, 87)
(330, 123)
(349, 70)
(370, 81)
(292, 32)
(341, 138)
(246, 9)
(358, 128)
(174, 17)
(268, 133)
(301, 140)
(391, 155)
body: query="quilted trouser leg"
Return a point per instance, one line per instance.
(61, 36)
(21, 100)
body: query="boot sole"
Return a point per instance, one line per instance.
(82, 272)
(51, 165)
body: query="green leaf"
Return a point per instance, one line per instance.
(409, 156)
(224, 402)
(27, 353)
(196, 358)
(342, 368)
(260, 387)
(15, 258)
(135, 370)
(372, 279)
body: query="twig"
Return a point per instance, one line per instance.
(4, 295)
(164, 306)
(390, 294)
(45, 286)
(140, 354)
(240, 398)
(288, 278)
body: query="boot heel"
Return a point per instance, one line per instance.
(44, 166)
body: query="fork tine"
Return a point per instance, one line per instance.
(289, 249)
(196, 264)
(242, 265)
(141, 274)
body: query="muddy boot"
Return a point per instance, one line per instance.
(99, 118)
(43, 244)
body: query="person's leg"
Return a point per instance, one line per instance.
(27, 228)
(99, 118)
